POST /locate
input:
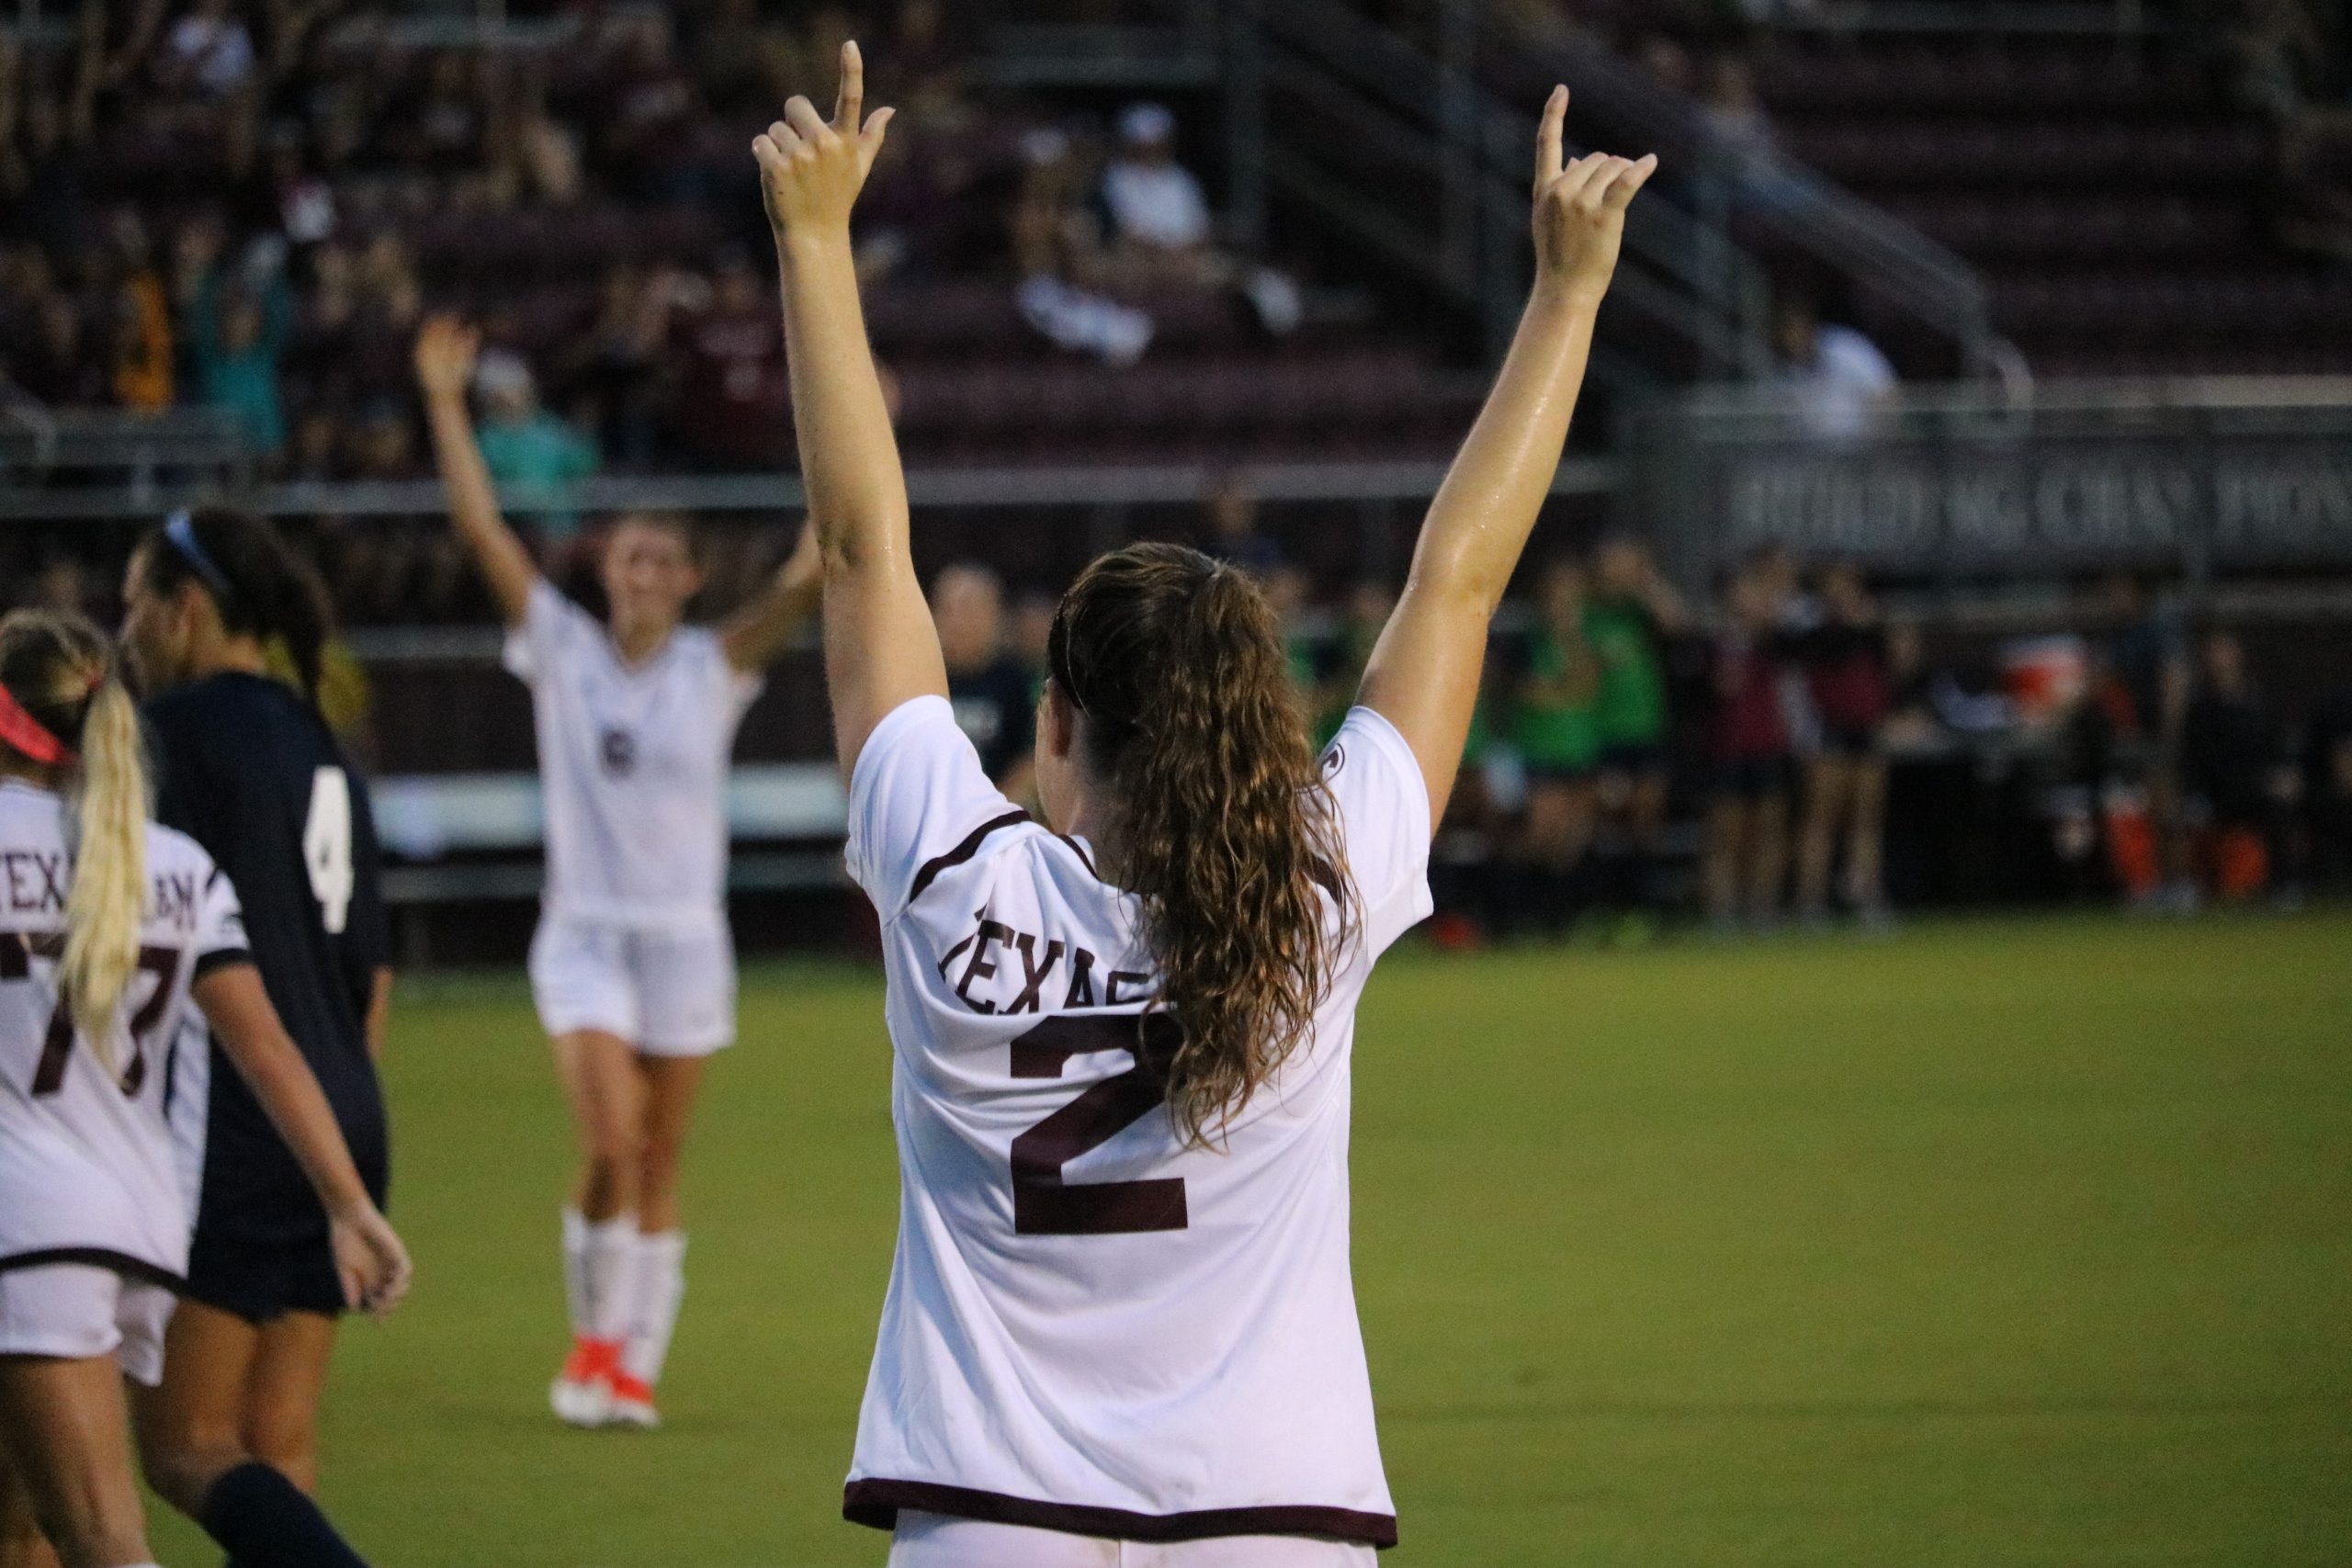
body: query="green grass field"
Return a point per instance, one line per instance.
(2001, 1242)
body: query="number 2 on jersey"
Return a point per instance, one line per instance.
(326, 847)
(1043, 1204)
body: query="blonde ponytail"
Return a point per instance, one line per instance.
(82, 735)
(108, 897)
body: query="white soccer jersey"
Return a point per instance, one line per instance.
(89, 1171)
(1091, 1327)
(633, 761)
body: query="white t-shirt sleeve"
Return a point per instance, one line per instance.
(1385, 823)
(551, 629)
(220, 924)
(917, 793)
(737, 689)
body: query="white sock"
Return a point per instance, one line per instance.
(612, 1276)
(661, 1287)
(577, 1297)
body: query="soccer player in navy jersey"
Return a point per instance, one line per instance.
(247, 767)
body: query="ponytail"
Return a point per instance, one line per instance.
(1225, 828)
(108, 896)
(57, 670)
(257, 584)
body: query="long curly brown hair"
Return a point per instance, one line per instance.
(1223, 824)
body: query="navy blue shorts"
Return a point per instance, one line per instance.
(263, 1281)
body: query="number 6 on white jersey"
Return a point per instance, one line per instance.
(326, 847)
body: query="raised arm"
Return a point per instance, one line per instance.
(880, 646)
(1423, 675)
(445, 364)
(757, 632)
(372, 1263)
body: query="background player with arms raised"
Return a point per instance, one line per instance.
(633, 968)
(1121, 1307)
(111, 929)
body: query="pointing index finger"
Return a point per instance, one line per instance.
(1547, 138)
(850, 108)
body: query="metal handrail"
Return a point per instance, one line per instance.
(1801, 210)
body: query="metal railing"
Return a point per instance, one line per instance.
(1787, 207)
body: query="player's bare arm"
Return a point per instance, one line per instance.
(368, 1256)
(880, 646)
(754, 635)
(445, 368)
(1423, 675)
(379, 1012)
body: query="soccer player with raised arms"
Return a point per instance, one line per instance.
(1120, 1310)
(633, 968)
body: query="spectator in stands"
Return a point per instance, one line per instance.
(1747, 812)
(528, 450)
(1633, 613)
(1058, 253)
(208, 47)
(1842, 387)
(2327, 774)
(1233, 536)
(733, 396)
(1158, 212)
(1160, 227)
(2237, 788)
(141, 352)
(2147, 680)
(238, 330)
(1557, 723)
(1848, 674)
(989, 690)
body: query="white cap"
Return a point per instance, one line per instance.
(501, 373)
(1141, 124)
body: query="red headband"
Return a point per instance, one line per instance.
(26, 733)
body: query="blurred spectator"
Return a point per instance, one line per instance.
(1233, 536)
(1842, 387)
(989, 690)
(1849, 678)
(238, 327)
(1747, 813)
(2236, 787)
(1556, 724)
(210, 47)
(1160, 226)
(734, 397)
(1633, 612)
(2327, 775)
(527, 448)
(1057, 252)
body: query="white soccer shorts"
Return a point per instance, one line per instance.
(82, 1311)
(935, 1540)
(667, 993)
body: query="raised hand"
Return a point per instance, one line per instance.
(810, 172)
(445, 357)
(1580, 208)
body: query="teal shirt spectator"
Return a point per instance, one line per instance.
(535, 459)
(237, 343)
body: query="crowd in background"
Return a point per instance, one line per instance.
(1637, 757)
(246, 206)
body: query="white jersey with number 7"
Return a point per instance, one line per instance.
(88, 1170)
(1090, 1326)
